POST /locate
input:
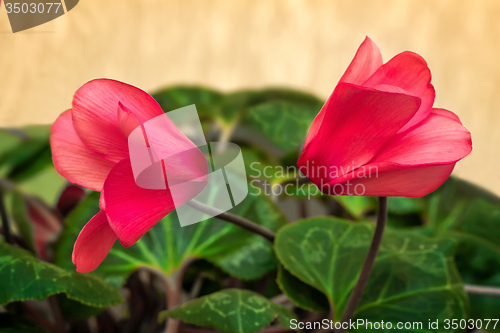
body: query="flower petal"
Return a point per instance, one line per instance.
(93, 243)
(408, 71)
(439, 139)
(133, 210)
(126, 119)
(356, 124)
(409, 182)
(414, 163)
(366, 61)
(72, 159)
(102, 203)
(95, 107)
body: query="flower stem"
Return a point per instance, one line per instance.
(472, 289)
(358, 290)
(173, 291)
(58, 317)
(5, 220)
(234, 219)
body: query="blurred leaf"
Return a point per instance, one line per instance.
(231, 311)
(73, 224)
(484, 307)
(23, 277)
(414, 277)
(299, 188)
(29, 155)
(257, 164)
(26, 160)
(167, 246)
(45, 184)
(300, 293)
(471, 216)
(205, 99)
(356, 206)
(285, 124)
(402, 206)
(404, 221)
(38, 162)
(10, 323)
(237, 104)
(77, 310)
(464, 208)
(81, 214)
(228, 109)
(9, 139)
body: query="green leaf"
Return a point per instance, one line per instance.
(297, 188)
(30, 155)
(9, 139)
(23, 277)
(77, 310)
(471, 216)
(26, 160)
(73, 224)
(356, 206)
(414, 277)
(167, 246)
(257, 164)
(464, 208)
(10, 323)
(285, 124)
(402, 206)
(207, 101)
(301, 294)
(45, 184)
(293, 109)
(231, 311)
(236, 105)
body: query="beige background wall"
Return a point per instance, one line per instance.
(235, 44)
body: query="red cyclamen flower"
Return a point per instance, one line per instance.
(378, 134)
(90, 148)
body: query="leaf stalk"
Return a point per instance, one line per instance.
(234, 219)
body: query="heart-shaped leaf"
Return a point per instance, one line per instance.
(414, 277)
(300, 293)
(231, 311)
(24, 277)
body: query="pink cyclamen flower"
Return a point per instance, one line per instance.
(90, 148)
(378, 134)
